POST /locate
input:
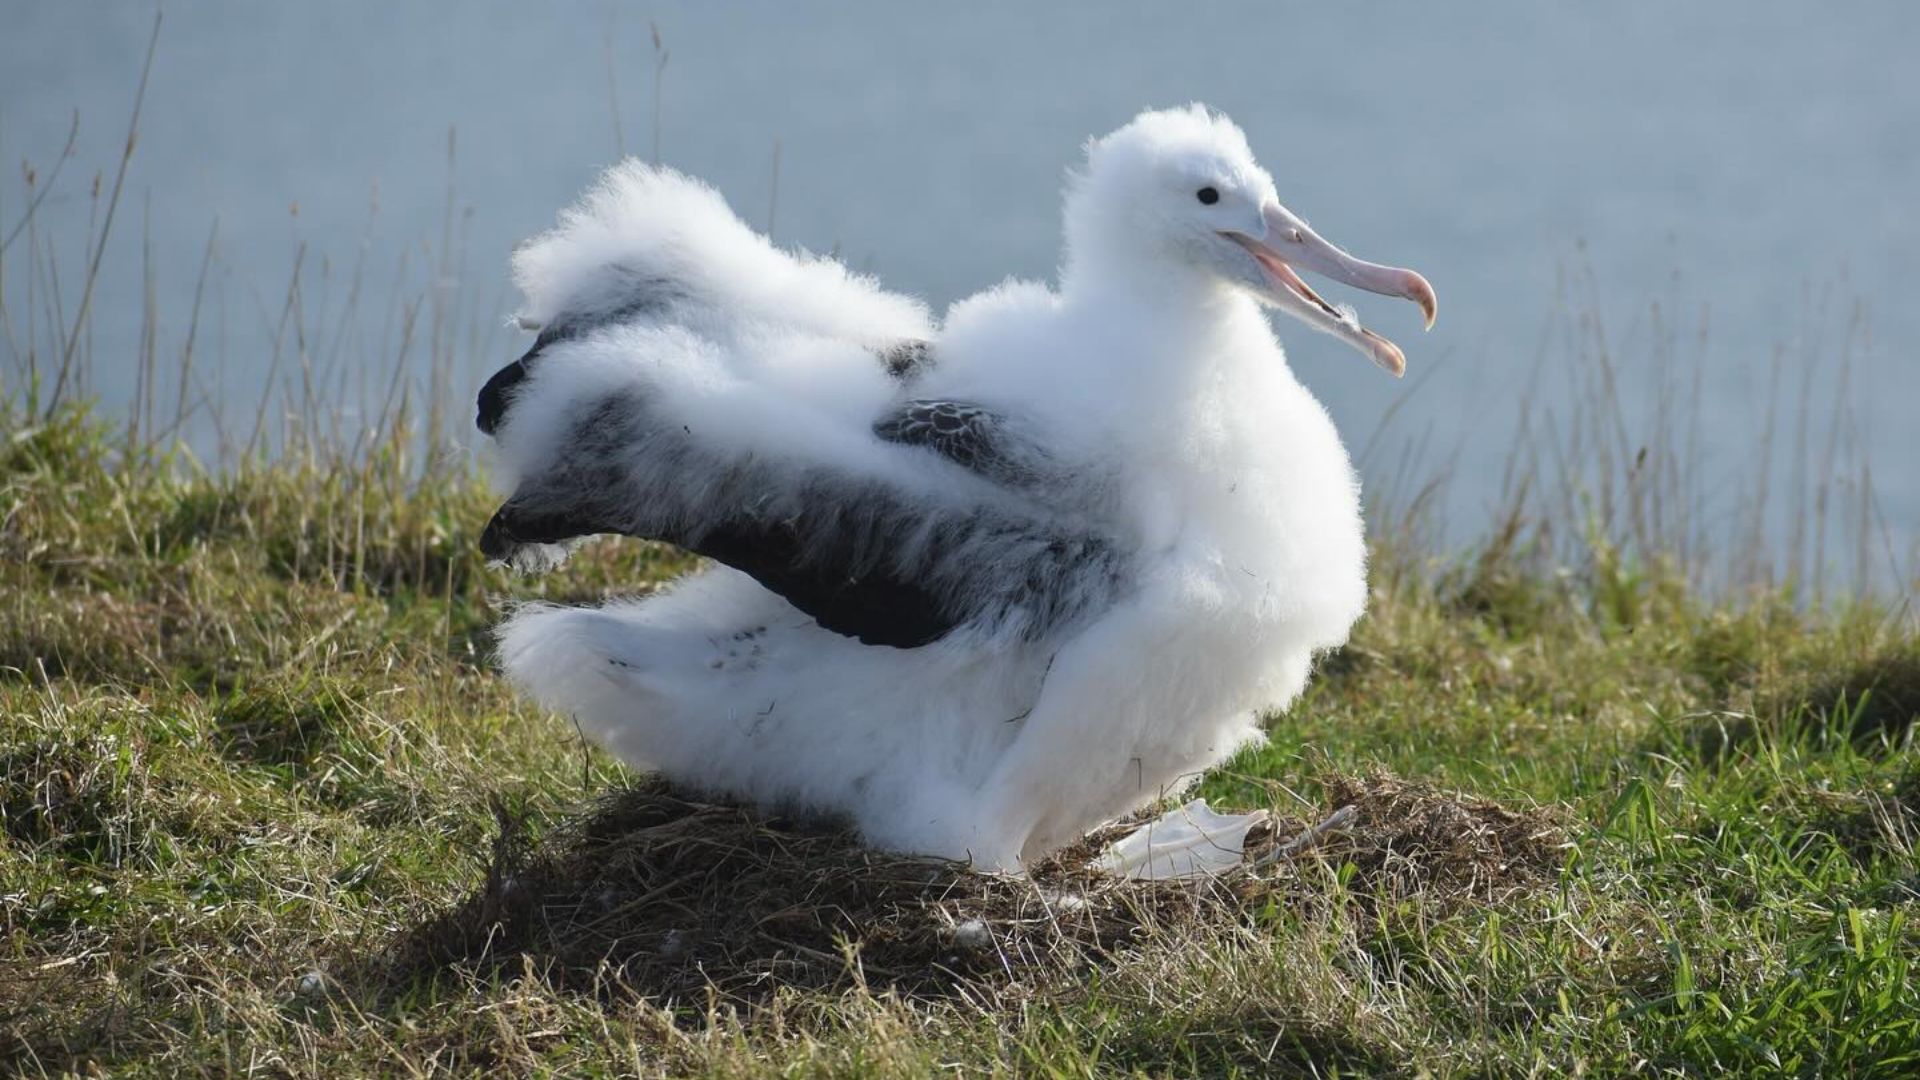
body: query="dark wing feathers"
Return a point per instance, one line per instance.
(874, 607)
(868, 604)
(498, 392)
(833, 558)
(831, 550)
(640, 295)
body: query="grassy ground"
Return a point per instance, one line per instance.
(266, 808)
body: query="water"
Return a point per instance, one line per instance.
(1752, 161)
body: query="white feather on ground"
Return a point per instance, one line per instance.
(979, 586)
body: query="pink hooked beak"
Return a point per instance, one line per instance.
(1289, 243)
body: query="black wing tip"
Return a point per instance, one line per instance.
(531, 544)
(497, 541)
(496, 395)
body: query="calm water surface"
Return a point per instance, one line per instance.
(1751, 162)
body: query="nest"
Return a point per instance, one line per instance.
(681, 899)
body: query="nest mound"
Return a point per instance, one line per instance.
(676, 897)
(1413, 840)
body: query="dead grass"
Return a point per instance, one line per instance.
(1414, 840)
(676, 899)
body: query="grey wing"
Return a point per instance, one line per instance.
(863, 558)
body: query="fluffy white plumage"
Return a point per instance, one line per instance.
(1134, 539)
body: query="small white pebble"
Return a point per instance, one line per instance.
(311, 983)
(973, 934)
(1070, 902)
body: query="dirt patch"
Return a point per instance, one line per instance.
(675, 897)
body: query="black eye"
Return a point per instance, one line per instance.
(1208, 195)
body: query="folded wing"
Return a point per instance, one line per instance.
(883, 538)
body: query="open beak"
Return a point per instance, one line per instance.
(1288, 243)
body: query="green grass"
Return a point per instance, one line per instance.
(250, 745)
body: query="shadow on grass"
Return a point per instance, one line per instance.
(681, 901)
(1247, 1044)
(1876, 825)
(669, 897)
(1877, 703)
(1873, 705)
(76, 797)
(288, 727)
